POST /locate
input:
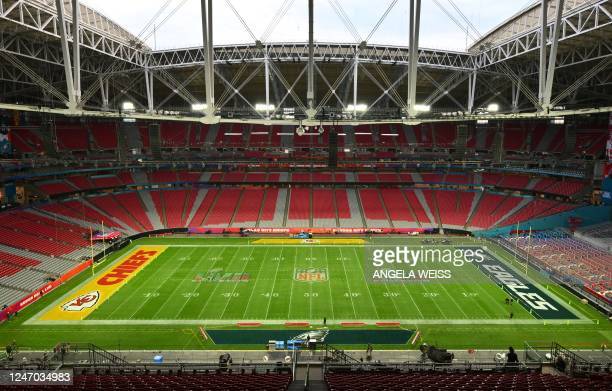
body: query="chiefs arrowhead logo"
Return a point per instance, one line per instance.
(79, 303)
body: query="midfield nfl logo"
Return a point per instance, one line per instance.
(310, 275)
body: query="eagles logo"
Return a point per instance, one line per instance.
(310, 275)
(79, 303)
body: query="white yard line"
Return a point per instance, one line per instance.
(350, 293)
(231, 296)
(256, 281)
(366, 284)
(194, 289)
(215, 288)
(273, 287)
(331, 299)
(143, 286)
(292, 282)
(173, 290)
(486, 292)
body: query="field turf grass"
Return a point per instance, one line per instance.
(164, 304)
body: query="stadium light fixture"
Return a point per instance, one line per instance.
(363, 133)
(347, 150)
(342, 134)
(360, 107)
(199, 107)
(422, 108)
(264, 107)
(390, 134)
(558, 121)
(127, 106)
(493, 108)
(482, 122)
(259, 133)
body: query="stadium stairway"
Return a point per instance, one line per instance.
(94, 204)
(188, 206)
(49, 209)
(77, 227)
(199, 197)
(349, 213)
(274, 209)
(140, 177)
(203, 208)
(532, 183)
(237, 207)
(420, 196)
(158, 202)
(373, 208)
(546, 142)
(150, 210)
(432, 204)
(473, 208)
(510, 211)
(223, 208)
(420, 215)
(397, 208)
(248, 209)
(133, 206)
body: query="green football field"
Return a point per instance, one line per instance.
(239, 282)
(221, 282)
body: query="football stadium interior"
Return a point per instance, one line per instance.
(326, 213)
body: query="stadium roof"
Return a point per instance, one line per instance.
(501, 67)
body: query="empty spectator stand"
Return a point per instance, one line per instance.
(524, 381)
(71, 137)
(103, 135)
(180, 382)
(570, 258)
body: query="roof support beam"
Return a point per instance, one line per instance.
(355, 83)
(543, 48)
(34, 76)
(72, 104)
(415, 20)
(149, 87)
(447, 92)
(267, 82)
(552, 60)
(471, 91)
(331, 89)
(76, 49)
(580, 82)
(516, 94)
(310, 92)
(209, 66)
(103, 91)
